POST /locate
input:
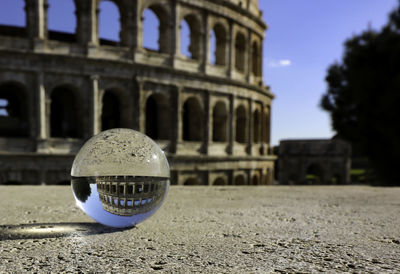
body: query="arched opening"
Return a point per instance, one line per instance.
(241, 124)
(111, 111)
(13, 111)
(256, 126)
(220, 181)
(12, 17)
(240, 51)
(109, 23)
(155, 31)
(191, 37)
(151, 25)
(314, 174)
(336, 179)
(218, 45)
(267, 124)
(255, 181)
(192, 120)
(192, 181)
(220, 117)
(240, 180)
(61, 30)
(158, 117)
(65, 118)
(255, 59)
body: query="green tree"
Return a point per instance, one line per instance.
(363, 97)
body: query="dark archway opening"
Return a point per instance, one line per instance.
(192, 182)
(240, 180)
(240, 52)
(111, 112)
(13, 111)
(65, 116)
(158, 117)
(192, 120)
(314, 174)
(241, 125)
(256, 127)
(218, 45)
(220, 117)
(219, 182)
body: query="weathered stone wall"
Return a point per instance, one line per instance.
(212, 120)
(314, 162)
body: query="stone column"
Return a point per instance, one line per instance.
(87, 25)
(207, 130)
(247, 69)
(129, 25)
(176, 118)
(95, 110)
(175, 39)
(231, 43)
(36, 18)
(205, 42)
(232, 124)
(41, 120)
(250, 128)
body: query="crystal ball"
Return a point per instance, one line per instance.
(120, 177)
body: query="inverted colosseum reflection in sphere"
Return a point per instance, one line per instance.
(209, 111)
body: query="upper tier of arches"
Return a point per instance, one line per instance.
(217, 44)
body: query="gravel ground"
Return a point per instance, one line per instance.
(207, 229)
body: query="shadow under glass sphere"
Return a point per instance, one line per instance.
(120, 177)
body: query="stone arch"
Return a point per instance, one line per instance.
(163, 28)
(255, 59)
(111, 110)
(336, 179)
(219, 45)
(220, 122)
(194, 24)
(192, 181)
(13, 17)
(14, 110)
(255, 180)
(241, 124)
(240, 180)
(314, 174)
(158, 117)
(240, 51)
(256, 126)
(192, 120)
(65, 113)
(62, 30)
(220, 181)
(109, 16)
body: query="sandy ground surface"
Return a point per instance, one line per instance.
(207, 229)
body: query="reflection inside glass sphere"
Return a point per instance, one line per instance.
(119, 201)
(120, 177)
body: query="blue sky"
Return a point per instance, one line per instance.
(303, 39)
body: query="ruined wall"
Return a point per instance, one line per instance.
(314, 162)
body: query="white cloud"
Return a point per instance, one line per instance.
(280, 63)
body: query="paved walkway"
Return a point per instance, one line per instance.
(207, 229)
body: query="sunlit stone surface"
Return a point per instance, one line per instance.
(120, 177)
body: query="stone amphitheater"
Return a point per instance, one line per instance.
(209, 111)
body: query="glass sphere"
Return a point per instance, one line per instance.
(120, 177)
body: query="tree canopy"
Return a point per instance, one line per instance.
(363, 97)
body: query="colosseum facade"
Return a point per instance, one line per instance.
(210, 115)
